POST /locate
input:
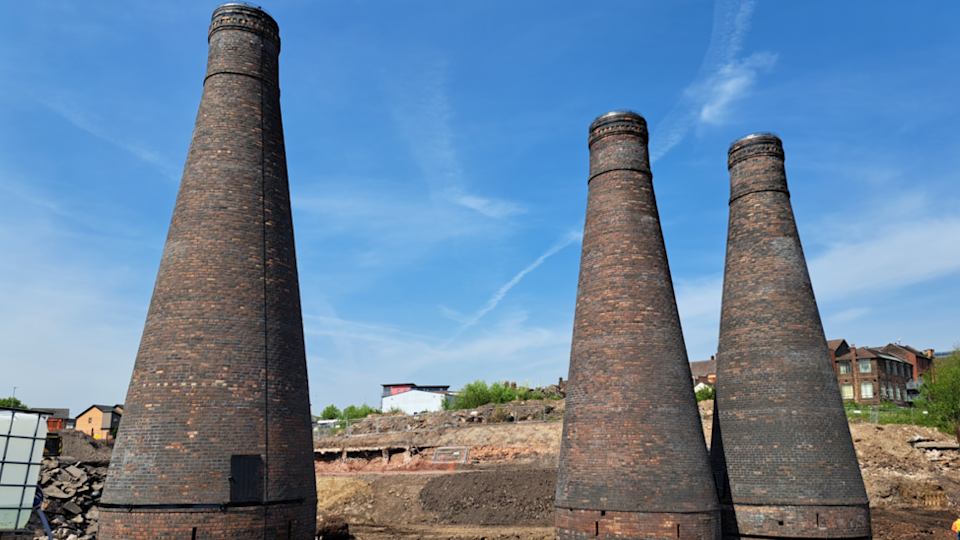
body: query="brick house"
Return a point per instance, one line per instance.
(99, 420)
(869, 376)
(919, 361)
(58, 419)
(704, 371)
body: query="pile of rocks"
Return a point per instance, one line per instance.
(515, 411)
(71, 491)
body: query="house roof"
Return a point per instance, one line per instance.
(894, 348)
(868, 353)
(704, 367)
(413, 385)
(834, 344)
(102, 408)
(59, 414)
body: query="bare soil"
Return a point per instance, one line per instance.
(506, 488)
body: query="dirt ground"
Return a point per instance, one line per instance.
(505, 489)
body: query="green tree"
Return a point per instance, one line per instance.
(706, 393)
(941, 392)
(363, 411)
(13, 403)
(330, 413)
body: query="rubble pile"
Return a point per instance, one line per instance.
(517, 411)
(71, 491)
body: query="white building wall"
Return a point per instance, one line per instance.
(413, 402)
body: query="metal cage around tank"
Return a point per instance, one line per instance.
(23, 435)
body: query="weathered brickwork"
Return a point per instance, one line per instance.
(221, 368)
(632, 445)
(593, 524)
(782, 451)
(784, 521)
(241, 523)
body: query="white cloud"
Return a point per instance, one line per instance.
(350, 353)
(733, 81)
(892, 247)
(723, 78)
(902, 250)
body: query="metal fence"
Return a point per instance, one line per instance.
(874, 415)
(405, 423)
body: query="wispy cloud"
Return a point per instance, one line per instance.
(901, 250)
(850, 261)
(344, 354)
(567, 239)
(94, 125)
(848, 315)
(425, 117)
(731, 82)
(723, 77)
(490, 208)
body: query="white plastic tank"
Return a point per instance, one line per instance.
(22, 437)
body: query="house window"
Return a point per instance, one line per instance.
(888, 366)
(898, 393)
(844, 368)
(846, 391)
(864, 366)
(90, 420)
(866, 390)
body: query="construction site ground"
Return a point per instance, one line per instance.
(389, 487)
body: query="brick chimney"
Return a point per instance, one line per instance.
(781, 442)
(216, 438)
(633, 463)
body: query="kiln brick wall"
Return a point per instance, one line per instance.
(221, 368)
(632, 445)
(781, 438)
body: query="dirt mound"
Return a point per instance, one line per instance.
(523, 434)
(513, 412)
(502, 498)
(898, 475)
(83, 447)
(333, 491)
(913, 523)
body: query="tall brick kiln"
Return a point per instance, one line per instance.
(782, 452)
(216, 439)
(633, 463)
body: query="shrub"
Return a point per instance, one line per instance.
(706, 393)
(941, 392)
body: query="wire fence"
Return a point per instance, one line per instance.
(886, 415)
(406, 423)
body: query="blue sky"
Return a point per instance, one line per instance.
(438, 161)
